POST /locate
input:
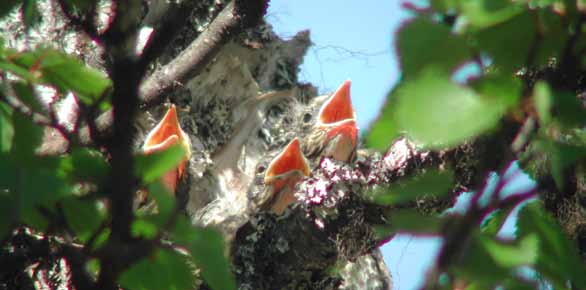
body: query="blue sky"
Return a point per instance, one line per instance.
(352, 40)
(355, 40)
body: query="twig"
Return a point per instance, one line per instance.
(236, 16)
(125, 79)
(167, 26)
(194, 58)
(85, 24)
(458, 232)
(36, 118)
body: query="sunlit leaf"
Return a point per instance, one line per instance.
(485, 13)
(422, 43)
(511, 255)
(494, 222)
(64, 72)
(152, 166)
(501, 88)
(68, 73)
(143, 228)
(518, 33)
(543, 101)
(85, 165)
(439, 113)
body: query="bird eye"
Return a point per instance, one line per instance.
(260, 169)
(307, 117)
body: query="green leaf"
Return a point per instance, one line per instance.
(152, 166)
(60, 70)
(85, 165)
(543, 101)
(40, 187)
(568, 110)
(438, 113)
(33, 218)
(83, 216)
(511, 255)
(6, 128)
(27, 137)
(558, 259)
(27, 96)
(476, 264)
(432, 182)
(93, 267)
(561, 156)
(412, 222)
(8, 173)
(443, 6)
(554, 29)
(68, 73)
(415, 40)
(507, 44)
(384, 129)
(164, 269)
(207, 248)
(143, 228)
(494, 222)
(17, 70)
(502, 88)
(485, 13)
(165, 202)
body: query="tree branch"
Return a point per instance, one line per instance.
(235, 17)
(458, 232)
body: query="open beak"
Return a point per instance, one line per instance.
(166, 134)
(338, 107)
(338, 119)
(284, 171)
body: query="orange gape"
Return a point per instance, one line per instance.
(284, 171)
(338, 107)
(338, 119)
(166, 134)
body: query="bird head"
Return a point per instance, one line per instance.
(338, 119)
(166, 134)
(284, 171)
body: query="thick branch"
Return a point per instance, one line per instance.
(233, 19)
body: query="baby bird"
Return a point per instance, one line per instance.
(335, 132)
(284, 171)
(168, 133)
